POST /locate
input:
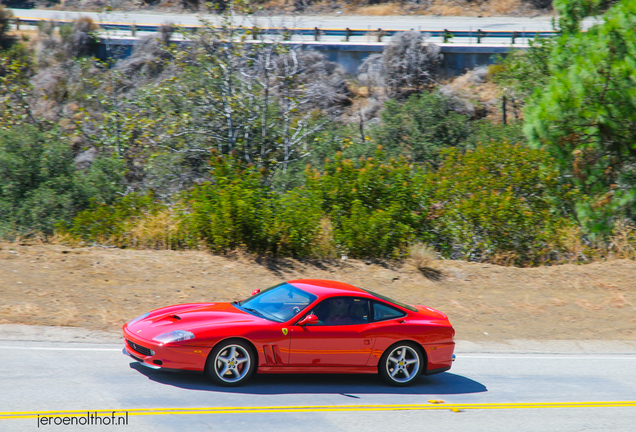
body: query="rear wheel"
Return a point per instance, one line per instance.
(231, 363)
(401, 364)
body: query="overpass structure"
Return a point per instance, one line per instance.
(464, 42)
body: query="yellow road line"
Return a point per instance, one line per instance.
(314, 408)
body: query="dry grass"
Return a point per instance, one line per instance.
(422, 255)
(620, 245)
(156, 231)
(483, 8)
(382, 9)
(325, 245)
(352, 7)
(101, 288)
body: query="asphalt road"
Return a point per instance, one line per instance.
(333, 21)
(516, 392)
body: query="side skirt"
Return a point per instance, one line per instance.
(317, 370)
(436, 371)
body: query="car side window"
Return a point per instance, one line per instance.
(342, 311)
(383, 312)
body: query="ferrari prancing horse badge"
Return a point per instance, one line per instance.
(285, 331)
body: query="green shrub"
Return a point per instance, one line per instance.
(233, 211)
(369, 233)
(500, 202)
(238, 210)
(420, 127)
(374, 205)
(110, 223)
(40, 186)
(297, 222)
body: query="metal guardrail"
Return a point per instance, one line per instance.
(316, 32)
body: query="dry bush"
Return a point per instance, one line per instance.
(405, 65)
(577, 249)
(422, 255)
(472, 93)
(355, 7)
(148, 58)
(324, 82)
(382, 9)
(488, 7)
(155, 231)
(622, 243)
(325, 243)
(68, 42)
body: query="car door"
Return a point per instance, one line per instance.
(342, 337)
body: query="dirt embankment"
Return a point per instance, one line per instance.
(100, 289)
(308, 7)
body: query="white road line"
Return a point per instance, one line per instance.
(460, 356)
(60, 349)
(547, 356)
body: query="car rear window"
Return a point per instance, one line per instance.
(383, 312)
(390, 300)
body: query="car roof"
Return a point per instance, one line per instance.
(323, 288)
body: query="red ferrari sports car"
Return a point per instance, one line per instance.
(300, 326)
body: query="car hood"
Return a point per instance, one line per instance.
(191, 317)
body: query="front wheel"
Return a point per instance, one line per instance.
(231, 363)
(401, 364)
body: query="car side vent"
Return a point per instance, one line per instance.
(177, 317)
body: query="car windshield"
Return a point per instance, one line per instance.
(390, 300)
(279, 303)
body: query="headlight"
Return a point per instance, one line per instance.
(174, 336)
(139, 318)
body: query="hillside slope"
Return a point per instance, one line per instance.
(100, 289)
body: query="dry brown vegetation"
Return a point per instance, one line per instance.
(100, 288)
(352, 7)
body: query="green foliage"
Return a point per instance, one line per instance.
(500, 200)
(572, 12)
(16, 69)
(238, 210)
(485, 131)
(586, 116)
(522, 72)
(375, 205)
(103, 221)
(232, 212)
(296, 222)
(5, 16)
(420, 127)
(40, 186)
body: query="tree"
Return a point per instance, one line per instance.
(256, 100)
(420, 127)
(40, 185)
(586, 116)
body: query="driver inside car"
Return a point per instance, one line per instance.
(339, 312)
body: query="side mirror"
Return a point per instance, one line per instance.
(309, 319)
(256, 291)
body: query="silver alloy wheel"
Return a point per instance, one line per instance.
(402, 364)
(232, 363)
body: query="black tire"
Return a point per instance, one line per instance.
(401, 364)
(231, 363)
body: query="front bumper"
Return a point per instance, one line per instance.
(125, 351)
(165, 356)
